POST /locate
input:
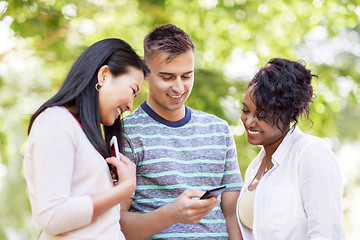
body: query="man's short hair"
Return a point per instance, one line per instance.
(168, 39)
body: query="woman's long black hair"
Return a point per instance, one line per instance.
(78, 90)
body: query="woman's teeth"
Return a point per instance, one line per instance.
(253, 132)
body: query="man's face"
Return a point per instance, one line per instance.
(170, 84)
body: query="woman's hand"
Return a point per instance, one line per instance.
(126, 171)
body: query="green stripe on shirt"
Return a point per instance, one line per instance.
(167, 173)
(182, 235)
(192, 161)
(193, 136)
(178, 149)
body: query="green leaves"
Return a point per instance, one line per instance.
(233, 38)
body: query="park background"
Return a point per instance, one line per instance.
(40, 40)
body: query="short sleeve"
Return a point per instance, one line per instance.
(129, 150)
(232, 176)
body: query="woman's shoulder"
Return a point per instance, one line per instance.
(54, 117)
(312, 149)
(311, 142)
(54, 112)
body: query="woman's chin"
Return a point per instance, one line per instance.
(252, 142)
(108, 123)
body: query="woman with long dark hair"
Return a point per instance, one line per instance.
(67, 156)
(293, 188)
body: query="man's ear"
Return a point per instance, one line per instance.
(103, 72)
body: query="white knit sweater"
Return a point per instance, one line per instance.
(62, 171)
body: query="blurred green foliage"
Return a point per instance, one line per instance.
(231, 37)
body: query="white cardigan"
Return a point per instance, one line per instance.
(300, 197)
(62, 170)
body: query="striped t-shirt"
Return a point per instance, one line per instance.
(196, 152)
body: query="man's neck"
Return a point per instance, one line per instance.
(170, 115)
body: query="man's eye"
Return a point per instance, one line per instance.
(186, 76)
(166, 76)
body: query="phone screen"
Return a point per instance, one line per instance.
(214, 192)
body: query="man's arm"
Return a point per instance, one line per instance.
(228, 206)
(184, 209)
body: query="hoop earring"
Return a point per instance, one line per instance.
(98, 87)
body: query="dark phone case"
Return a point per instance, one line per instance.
(111, 167)
(214, 192)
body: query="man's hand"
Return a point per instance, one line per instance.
(186, 209)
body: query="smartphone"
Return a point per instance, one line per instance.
(214, 192)
(115, 153)
(114, 147)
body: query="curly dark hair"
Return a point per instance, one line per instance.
(282, 92)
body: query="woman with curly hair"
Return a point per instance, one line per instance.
(293, 188)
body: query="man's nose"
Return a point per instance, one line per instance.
(178, 85)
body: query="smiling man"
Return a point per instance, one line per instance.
(179, 152)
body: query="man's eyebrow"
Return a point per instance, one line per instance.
(188, 72)
(166, 73)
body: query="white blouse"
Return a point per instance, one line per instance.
(300, 196)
